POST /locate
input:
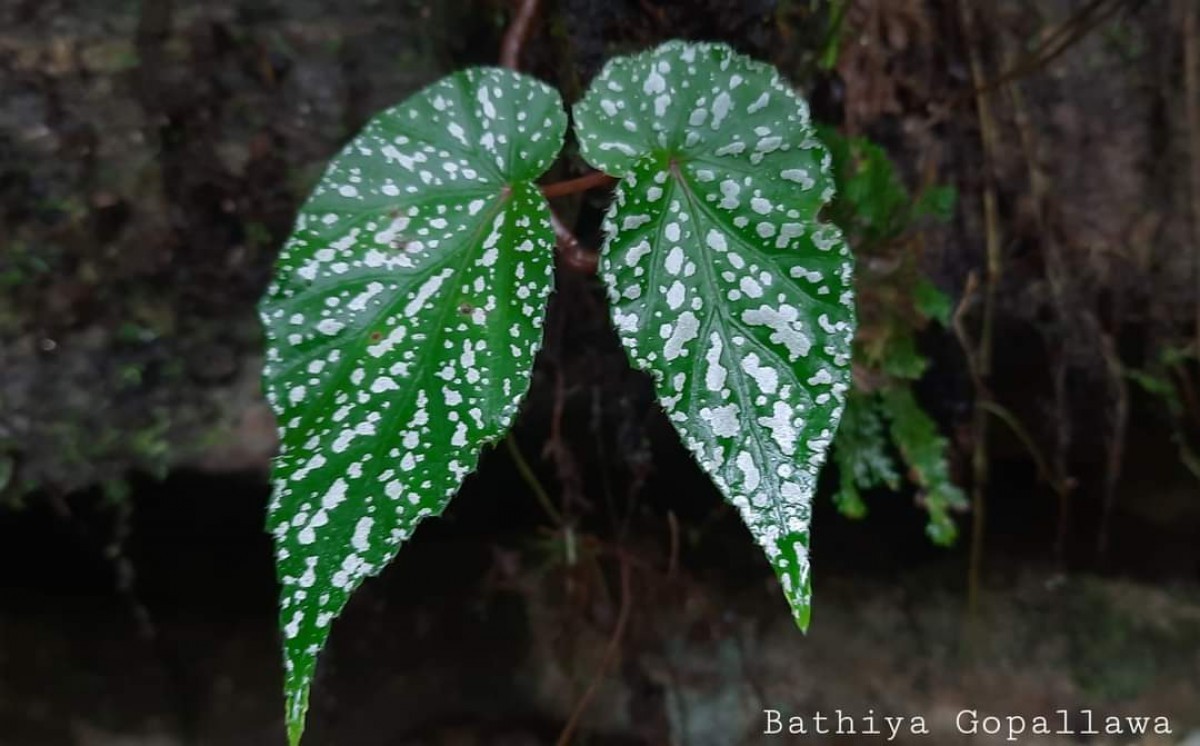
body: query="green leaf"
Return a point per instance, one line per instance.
(1159, 386)
(872, 203)
(937, 202)
(924, 449)
(831, 45)
(931, 302)
(402, 325)
(861, 453)
(847, 498)
(723, 283)
(1175, 355)
(900, 357)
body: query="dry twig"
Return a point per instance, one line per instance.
(979, 356)
(518, 30)
(1058, 41)
(1057, 276)
(610, 653)
(1191, 90)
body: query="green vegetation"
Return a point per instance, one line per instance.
(407, 308)
(884, 423)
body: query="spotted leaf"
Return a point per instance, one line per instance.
(402, 325)
(724, 284)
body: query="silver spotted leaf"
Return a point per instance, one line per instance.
(402, 324)
(724, 283)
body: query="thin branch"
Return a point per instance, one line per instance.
(1057, 275)
(980, 358)
(1062, 38)
(578, 184)
(1191, 89)
(535, 486)
(572, 253)
(1043, 468)
(610, 652)
(514, 37)
(673, 563)
(1118, 426)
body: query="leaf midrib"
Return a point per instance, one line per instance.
(735, 369)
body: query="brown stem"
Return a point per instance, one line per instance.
(1058, 276)
(610, 653)
(980, 358)
(1118, 416)
(570, 251)
(1058, 41)
(514, 37)
(578, 184)
(1191, 87)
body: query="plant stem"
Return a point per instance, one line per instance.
(1058, 41)
(1118, 424)
(1191, 90)
(531, 479)
(514, 37)
(578, 184)
(1057, 275)
(610, 653)
(572, 253)
(981, 356)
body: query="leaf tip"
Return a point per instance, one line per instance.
(296, 713)
(295, 731)
(801, 612)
